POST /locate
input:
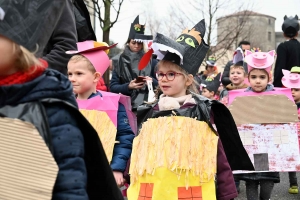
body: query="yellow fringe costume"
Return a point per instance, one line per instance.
(173, 158)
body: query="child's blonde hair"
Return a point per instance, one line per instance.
(191, 89)
(79, 57)
(24, 58)
(236, 66)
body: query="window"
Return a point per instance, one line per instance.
(269, 36)
(269, 21)
(146, 190)
(192, 193)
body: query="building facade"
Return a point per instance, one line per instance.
(257, 28)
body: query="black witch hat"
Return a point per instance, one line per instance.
(212, 83)
(290, 26)
(29, 23)
(137, 31)
(189, 47)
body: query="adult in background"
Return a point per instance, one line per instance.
(126, 77)
(288, 52)
(245, 45)
(63, 38)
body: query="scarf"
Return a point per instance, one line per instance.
(169, 103)
(21, 77)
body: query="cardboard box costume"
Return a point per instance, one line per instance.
(268, 125)
(101, 112)
(174, 155)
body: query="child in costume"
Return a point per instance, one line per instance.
(177, 153)
(237, 74)
(210, 87)
(259, 67)
(292, 80)
(84, 71)
(42, 97)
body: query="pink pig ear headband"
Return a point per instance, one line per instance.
(260, 60)
(290, 80)
(95, 52)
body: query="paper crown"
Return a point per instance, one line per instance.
(212, 83)
(137, 31)
(95, 52)
(30, 23)
(290, 80)
(290, 25)
(189, 47)
(260, 60)
(254, 49)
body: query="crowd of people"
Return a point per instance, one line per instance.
(108, 143)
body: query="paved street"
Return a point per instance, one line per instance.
(280, 191)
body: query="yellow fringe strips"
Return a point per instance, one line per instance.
(105, 129)
(180, 144)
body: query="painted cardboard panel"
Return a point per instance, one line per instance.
(27, 167)
(272, 147)
(263, 109)
(277, 91)
(109, 104)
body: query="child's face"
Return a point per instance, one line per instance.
(7, 57)
(207, 93)
(296, 94)
(258, 80)
(237, 76)
(172, 88)
(83, 80)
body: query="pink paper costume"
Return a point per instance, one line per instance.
(102, 110)
(267, 122)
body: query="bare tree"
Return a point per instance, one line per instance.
(184, 14)
(102, 11)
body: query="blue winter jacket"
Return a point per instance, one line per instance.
(67, 139)
(125, 135)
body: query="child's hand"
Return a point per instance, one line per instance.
(119, 178)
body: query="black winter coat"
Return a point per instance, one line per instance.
(48, 103)
(288, 56)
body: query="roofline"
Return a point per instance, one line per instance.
(251, 14)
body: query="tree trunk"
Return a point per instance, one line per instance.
(105, 38)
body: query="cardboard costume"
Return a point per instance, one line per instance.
(170, 158)
(137, 31)
(269, 135)
(30, 23)
(101, 112)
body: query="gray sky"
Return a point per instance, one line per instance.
(131, 8)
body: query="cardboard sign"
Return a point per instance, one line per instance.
(263, 109)
(27, 168)
(271, 147)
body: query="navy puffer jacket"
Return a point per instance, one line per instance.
(67, 139)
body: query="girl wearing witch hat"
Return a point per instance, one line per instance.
(43, 98)
(178, 153)
(288, 52)
(126, 77)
